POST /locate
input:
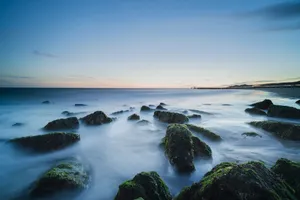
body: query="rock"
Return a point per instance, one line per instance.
(204, 132)
(63, 124)
(46, 102)
(96, 118)
(194, 116)
(160, 107)
(120, 112)
(134, 117)
(162, 104)
(181, 147)
(290, 172)
(145, 108)
(298, 102)
(226, 104)
(145, 185)
(18, 124)
(170, 117)
(79, 104)
(264, 105)
(255, 111)
(251, 134)
(151, 105)
(143, 122)
(284, 112)
(200, 112)
(67, 176)
(282, 130)
(47, 142)
(249, 181)
(67, 113)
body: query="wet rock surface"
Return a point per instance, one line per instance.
(63, 124)
(134, 117)
(170, 117)
(96, 118)
(264, 105)
(284, 112)
(205, 132)
(255, 111)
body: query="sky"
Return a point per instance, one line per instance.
(148, 43)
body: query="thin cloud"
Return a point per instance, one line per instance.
(16, 77)
(44, 54)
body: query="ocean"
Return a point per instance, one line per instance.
(119, 150)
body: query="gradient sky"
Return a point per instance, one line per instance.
(147, 43)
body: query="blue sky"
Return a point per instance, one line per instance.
(147, 43)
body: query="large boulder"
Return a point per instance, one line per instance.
(96, 118)
(255, 111)
(264, 105)
(145, 185)
(290, 172)
(63, 124)
(181, 147)
(67, 176)
(206, 133)
(250, 181)
(170, 117)
(47, 142)
(282, 130)
(134, 117)
(284, 112)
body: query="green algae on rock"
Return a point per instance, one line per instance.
(170, 117)
(249, 181)
(251, 134)
(264, 105)
(282, 130)
(47, 142)
(201, 148)
(68, 176)
(204, 132)
(284, 112)
(290, 172)
(63, 124)
(145, 185)
(255, 111)
(96, 118)
(134, 117)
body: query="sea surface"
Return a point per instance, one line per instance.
(119, 150)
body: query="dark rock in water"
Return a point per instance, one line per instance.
(160, 107)
(181, 147)
(200, 112)
(96, 118)
(255, 111)
(46, 102)
(264, 105)
(145, 108)
(80, 104)
(47, 142)
(251, 134)
(226, 104)
(204, 132)
(290, 172)
(170, 117)
(134, 117)
(67, 113)
(63, 124)
(120, 112)
(18, 124)
(298, 102)
(143, 122)
(162, 104)
(282, 130)
(151, 105)
(249, 181)
(145, 185)
(194, 116)
(68, 176)
(284, 112)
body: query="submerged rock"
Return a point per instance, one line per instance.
(264, 105)
(46, 102)
(18, 124)
(298, 102)
(194, 116)
(96, 118)
(290, 172)
(134, 117)
(143, 122)
(181, 147)
(282, 130)
(79, 104)
(145, 108)
(255, 111)
(200, 112)
(160, 107)
(251, 134)
(145, 185)
(170, 117)
(67, 176)
(249, 181)
(120, 112)
(67, 113)
(162, 104)
(284, 112)
(204, 132)
(63, 124)
(226, 104)
(47, 142)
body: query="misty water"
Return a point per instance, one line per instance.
(119, 150)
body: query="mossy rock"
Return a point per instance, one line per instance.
(249, 181)
(290, 172)
(47, 142)
(171, 117)
(145, 108)
(70, 123)
(194, 116)
(251, 134)
(201, 148)
(160, 107)
(96, 118)
(134, 117)
(282, 130)
(284, 112)
(206, 133)
(145, 185)
(264, 105)
(67, 176)
(255, 111)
